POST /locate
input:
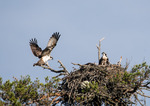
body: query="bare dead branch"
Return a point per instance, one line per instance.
(146, 85)
(143, 95)
(135, 95)
(53, 100)
(60, 75)
(76, 64)
(62, 66)
(145, 89)
(58, 100)
(63, 71)
(55, 71)
(127, 65)
(99, 48)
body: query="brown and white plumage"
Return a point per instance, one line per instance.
(36, 50)
(44, 55)
(104, 59)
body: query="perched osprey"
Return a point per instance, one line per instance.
(44, 55)
(104, 59)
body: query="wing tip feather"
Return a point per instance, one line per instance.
(56, 35)
(33, 41)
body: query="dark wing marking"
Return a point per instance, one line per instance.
(45, 52)
(100, 61)
(108, 61)
(36, 50)
(53, 41)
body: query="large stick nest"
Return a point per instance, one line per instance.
(95, 84)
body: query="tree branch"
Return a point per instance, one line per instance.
(138, 99)
(53, 100)
(146, 85)
(99, 48)
(62, 66)
(77, 64)
(57, 101)
(55, 71)
(143, 95)
(64, 71)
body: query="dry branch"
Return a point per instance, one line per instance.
(62, 66)
(55, 71)
(53, 100)
(64, 70)
(135, 95)
(107, 85)
(143, 95)
(99, 48)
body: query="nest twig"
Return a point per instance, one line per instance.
(98, 84)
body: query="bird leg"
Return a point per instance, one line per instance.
(51, 58)
(47, 64)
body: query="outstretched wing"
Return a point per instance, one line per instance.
(53, 41)
(36, 50)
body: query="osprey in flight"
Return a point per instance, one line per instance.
(104, 59)
(44, 55)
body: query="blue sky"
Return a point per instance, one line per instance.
(125, 24)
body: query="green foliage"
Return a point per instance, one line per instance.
(1, 103)
(138, 73)
(94, 85)
(24, 91)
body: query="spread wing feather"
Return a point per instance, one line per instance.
(36, 50)
(53, 41)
